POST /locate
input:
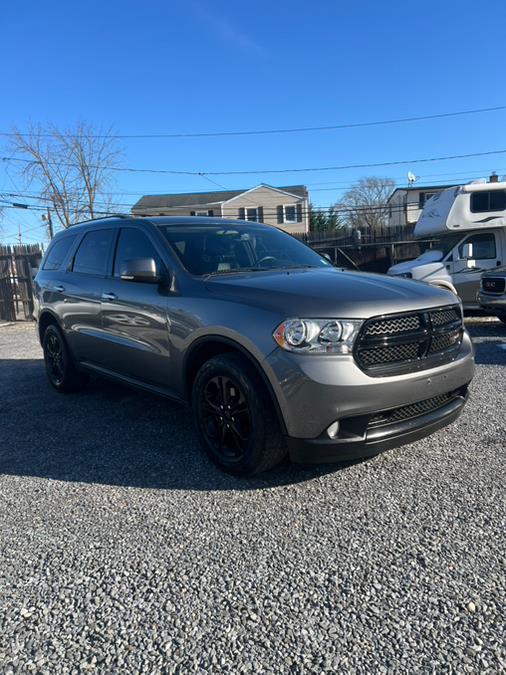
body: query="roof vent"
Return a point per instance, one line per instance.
(494, 178)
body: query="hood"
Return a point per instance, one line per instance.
(327, 293)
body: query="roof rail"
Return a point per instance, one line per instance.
(110, 215)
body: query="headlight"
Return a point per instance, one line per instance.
(318, 336)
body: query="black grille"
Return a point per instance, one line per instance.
(410, 341)
(393, 354)
(441, 317)
(401, 324)
(493, 284)
(412, 410)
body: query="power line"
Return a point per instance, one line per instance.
(259, 132)
(245, 172)
(383, 206)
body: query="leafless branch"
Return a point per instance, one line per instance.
(72, 167)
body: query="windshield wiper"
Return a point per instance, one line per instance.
(239, 270)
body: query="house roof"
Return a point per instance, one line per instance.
(206, 198)
(421, 188)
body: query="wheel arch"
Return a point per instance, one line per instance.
(205, 348)
(445, 285)
(45, 319)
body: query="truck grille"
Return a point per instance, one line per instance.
(409, 341)
(495, 285)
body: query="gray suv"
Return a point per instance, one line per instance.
(276, 351)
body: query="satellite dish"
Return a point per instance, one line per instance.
(412, 178)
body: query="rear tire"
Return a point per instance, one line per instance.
(61, 368)
(234, 417)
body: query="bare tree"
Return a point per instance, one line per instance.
(364, 207)
(72, 168)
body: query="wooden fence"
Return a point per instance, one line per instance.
(18, 266)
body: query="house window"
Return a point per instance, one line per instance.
(424, 196)
(488, 200)
(252, 214)
(290, 213)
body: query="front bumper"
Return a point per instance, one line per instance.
(313, 391)
(361, 440)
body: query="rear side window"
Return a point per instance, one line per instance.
(132, 244)
(93, 253)
(57, 253)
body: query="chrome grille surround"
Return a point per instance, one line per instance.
(401, 343)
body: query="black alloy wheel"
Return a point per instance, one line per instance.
(225, 417)
(234, 416)
(61, 370)
(54, 359)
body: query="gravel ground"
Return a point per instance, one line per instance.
(122, 549)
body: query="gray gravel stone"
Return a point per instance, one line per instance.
(122, 549)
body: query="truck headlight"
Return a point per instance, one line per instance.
(318, 336)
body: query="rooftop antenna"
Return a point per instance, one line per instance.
(412, 178)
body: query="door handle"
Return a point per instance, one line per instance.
(59, 288)
(109, 296)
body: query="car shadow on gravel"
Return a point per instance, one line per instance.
(112, 435)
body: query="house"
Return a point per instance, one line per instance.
(284, 207)
(405, 204)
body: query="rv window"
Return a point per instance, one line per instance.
(489, 200)
(483, 246)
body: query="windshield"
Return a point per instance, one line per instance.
(222, 249)
(445, 244)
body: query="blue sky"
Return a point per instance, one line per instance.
(175, 66)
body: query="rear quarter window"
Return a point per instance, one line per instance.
(57, 254)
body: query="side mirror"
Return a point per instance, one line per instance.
(140, 269)
(467, 252)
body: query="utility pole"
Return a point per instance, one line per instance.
(49, 224)
(19, 234)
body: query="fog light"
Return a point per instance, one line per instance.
(333, 430)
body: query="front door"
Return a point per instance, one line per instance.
(466, 274)
(134, 317)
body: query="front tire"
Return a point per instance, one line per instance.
(234, 418)
(61, 369)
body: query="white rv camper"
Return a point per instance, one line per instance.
(469, 224)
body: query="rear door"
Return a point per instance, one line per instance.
(80, 292)
(486, 255)
(134, 315)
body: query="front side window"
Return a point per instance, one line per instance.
(57, 253)
(225, 249)
(483, 246)
(93, 253)
(133, 243)
(488, 200)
